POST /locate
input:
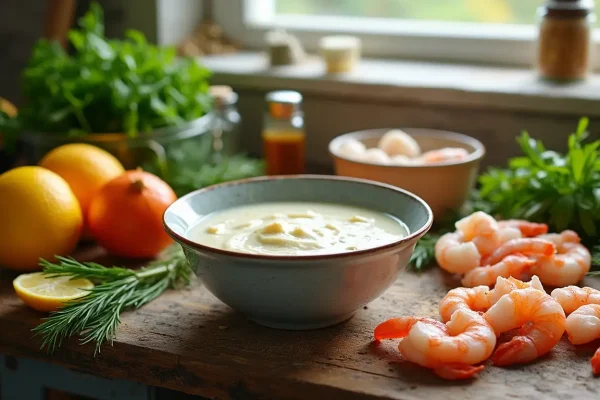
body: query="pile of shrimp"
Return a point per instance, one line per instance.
(397, 147)
(482, 249)
(516, 322)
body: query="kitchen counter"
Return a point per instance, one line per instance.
(190, 342)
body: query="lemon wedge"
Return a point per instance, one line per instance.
(49, 294)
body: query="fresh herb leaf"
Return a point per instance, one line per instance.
(424, 252)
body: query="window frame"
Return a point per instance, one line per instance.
(247, 21)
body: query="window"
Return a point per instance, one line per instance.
(476, 31)
(474, 11)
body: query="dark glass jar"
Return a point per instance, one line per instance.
(565, 39)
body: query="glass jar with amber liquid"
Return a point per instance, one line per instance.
(565, 39)
(283, 133)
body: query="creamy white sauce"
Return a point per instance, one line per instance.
(297, 228)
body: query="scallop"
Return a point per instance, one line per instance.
(399, 143)
(375, 156)
(352, 149)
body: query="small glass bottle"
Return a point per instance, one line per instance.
(565, 39)
(226, 122)
(283, 133)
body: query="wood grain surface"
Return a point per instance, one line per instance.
(191, 342)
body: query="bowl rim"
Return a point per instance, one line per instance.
(476, 155)
(197, 246)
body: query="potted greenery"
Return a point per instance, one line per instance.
(134, 99)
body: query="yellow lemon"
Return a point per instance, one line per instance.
(39, 217)
(49, 294)
(86, 169)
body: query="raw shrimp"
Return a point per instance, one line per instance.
(573, 297)
(513, 265)
(475, 298)
(481, 229)
(527, 229)
(583, 326)
(450, 349)
(541, 321)
(399, 143)
(455, 255)
(506, 285)
(525, 246)
(568, 266)
(446, 154)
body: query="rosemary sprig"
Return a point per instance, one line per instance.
(96, 316)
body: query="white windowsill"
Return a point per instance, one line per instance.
(467, 86)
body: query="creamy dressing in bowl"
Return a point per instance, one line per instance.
(297, 229)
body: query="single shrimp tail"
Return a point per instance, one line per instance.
(519, 349)
(457, 371)
(596, 363)
(391, 329)
(397, 328)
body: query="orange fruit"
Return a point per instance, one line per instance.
(125, 216)
(43, 293)
(40, 217)
(86, 169)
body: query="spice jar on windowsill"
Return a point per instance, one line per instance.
(565, 39)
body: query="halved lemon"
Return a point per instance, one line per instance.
(49, 294)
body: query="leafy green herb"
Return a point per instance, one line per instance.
(188, 166)
(424, 254)
(96, 316)
(109, 86)
(229, 169)
(562, 190)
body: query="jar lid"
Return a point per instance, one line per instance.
(283, 104)
(284, 97)
(568, 8)
(223, 95)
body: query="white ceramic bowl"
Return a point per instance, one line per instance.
(298, 292)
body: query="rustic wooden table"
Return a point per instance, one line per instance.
(190, 342)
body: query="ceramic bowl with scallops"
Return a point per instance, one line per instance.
(440, 167)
